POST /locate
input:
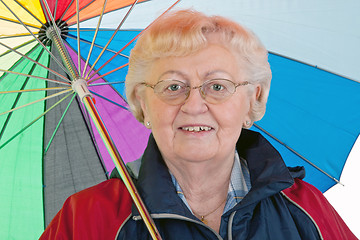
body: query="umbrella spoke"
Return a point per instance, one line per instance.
(91, 30)
(36, 101)
(298, 154)
(37, 39)
(34, 76)
(17, 98)
(96, 45)
(56, 30)
(29, 12)
(17, 22)
(15, 35)
(106, 83)
(60, 121)
(78, 36)
(114, 70)
(94, 38)
(34, 90)
(115, 103)
(45, 13)
(131, 41)
(32, 122)
(32, 60)
(85, 6)
(22, 89)
(67, 8)
(55, 9)
(112, 37)
(17, 47)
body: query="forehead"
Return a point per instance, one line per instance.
(215, 60)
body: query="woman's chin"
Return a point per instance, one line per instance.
(196, 152)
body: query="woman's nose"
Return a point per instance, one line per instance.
(195, 103)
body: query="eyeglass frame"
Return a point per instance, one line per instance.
(202, 93)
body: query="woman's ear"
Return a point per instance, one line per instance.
(254, 97)
(140, 96)
(257, 92)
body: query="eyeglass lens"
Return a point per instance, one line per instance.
(176, 92)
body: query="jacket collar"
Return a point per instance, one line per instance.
(268, 175)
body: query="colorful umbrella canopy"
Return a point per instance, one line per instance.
(46, 157)
(44, 160)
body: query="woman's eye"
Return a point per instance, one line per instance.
(174, 87)
(217, 87)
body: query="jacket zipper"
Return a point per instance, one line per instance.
(172, 216)
(231, 218)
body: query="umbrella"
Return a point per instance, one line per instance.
(51, 143)
(310, 116)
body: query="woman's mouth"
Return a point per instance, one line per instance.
(196, 128)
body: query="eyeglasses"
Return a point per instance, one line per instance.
(175, 92)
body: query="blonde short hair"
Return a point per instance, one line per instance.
(183, 32)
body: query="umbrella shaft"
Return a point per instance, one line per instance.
(65, 57)
(120, 166)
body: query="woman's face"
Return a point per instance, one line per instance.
(197, 130)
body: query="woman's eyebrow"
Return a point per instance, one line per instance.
(173, 72)
(216, 72)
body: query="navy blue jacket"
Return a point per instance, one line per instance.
(265, 212)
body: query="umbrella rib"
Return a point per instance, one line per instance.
(315, 66)
(132, 40)
(298, 154)
(102, 76)
(32, 122)
(94, 38)
(88, 124)
(32, 76)
(19, 95)
(45, 13)
(100, 29)
(112, 37)
(15, 35)
(13, 21)
(60, 121)
(67, 8)
(16, 47)
(78, 36)
(55, 9)
(56, 32)
(88, 4)
(17, 62)
(37, 39)
(106, 83)
(111, 101)
(28, 58)
(27, 10)
(36, 101)
(34, 90)
(96, 45)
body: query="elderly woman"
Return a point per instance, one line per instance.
(198, 83)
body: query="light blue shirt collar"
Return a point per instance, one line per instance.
(239, 184)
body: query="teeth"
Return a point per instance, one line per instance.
(197, 128)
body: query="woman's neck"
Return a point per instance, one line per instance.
(205, 186)
(203, 181)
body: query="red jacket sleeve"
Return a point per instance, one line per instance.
(94, 213)
(313, 202)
